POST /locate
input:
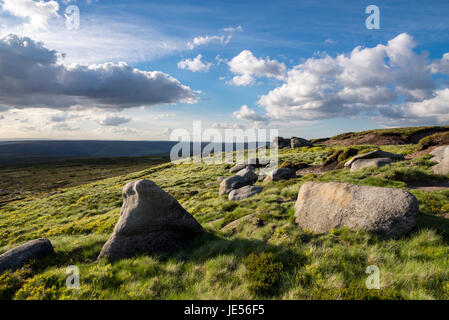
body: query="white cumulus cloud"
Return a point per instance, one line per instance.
(195, 64)
(247, 68)
(38, 13)
(368, 80)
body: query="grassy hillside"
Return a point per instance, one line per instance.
(393, 136)
(264, 256)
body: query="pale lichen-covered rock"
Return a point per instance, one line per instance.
(443, 166)
(151, 221)
(244, 192)
(364, 163)
(18, 257)
(376, 154)
(438, 153)
(387, 212)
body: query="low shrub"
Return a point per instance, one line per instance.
(263, 273)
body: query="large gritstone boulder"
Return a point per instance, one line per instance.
(18, 257)
(364, 163)
(151, 221)
(387, 212)
(376, 154)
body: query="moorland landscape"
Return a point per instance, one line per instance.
(251, 245)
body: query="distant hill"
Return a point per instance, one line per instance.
(393, 136)
(35, 151)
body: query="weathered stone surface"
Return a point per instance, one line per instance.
(238, 167)
(248, 174)
(281, 174)
(151, 221)
(296, 142)
(443, 166)
(18, 257)
(387, 212)
(376, 154)
(229, 184)
(364, 163)
(244, 192)
(282, 142)
(438, 153)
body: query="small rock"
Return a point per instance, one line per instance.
(18, 257)
(376, 154)
(151, 221)
(248, 174)
(220, 179)
(296, 142)
(364, 163)
(244, 192)
(229, 184)
(281, 174)
(388, 212)
(210, 184)
(251, 218)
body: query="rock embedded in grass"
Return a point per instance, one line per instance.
(296, 142)
(151, 221)
(375, 154)
(244, 192)
(231, 183)
(18, 257)
(281, 174)
(365, 163)
(238, 167)
(388, 212)
(248, 174)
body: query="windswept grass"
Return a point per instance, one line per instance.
(269, 258)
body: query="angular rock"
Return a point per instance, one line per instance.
(296, 142)
(244, 192)
(376, 154)
(18, 257)
(364, 163)
(151, 221)
(248, 174)
(229, 184)
(443, 166)
(281, 174)
(438, 153)
(387, 212)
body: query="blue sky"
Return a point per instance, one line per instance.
(307, 68)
